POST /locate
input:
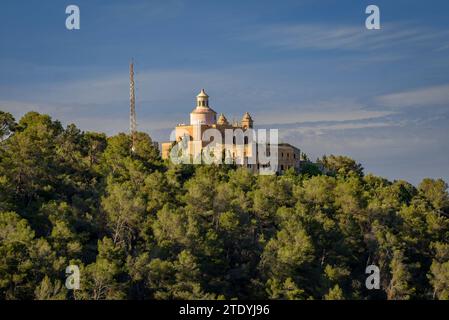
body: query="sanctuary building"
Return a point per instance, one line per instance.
(239, 151)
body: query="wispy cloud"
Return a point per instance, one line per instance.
(273, 119)
(396, 149)
(101, 103)
(323, 129)
(142, 11)
(444, 47)
(421, 97)
(342, 37)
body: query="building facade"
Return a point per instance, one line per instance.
(238, 148)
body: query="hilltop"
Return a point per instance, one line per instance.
(139, 227)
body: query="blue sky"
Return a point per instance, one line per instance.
(307, 67)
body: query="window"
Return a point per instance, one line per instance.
(282, 167)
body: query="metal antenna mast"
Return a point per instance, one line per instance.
(132, 111)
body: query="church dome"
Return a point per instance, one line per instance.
(203, 114)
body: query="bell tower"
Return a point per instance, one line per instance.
(202, 100)
(247, 121)
(203, 114)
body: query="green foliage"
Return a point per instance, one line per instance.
(310, 169)
(141, 228)
(435, 192)
(341, 165)
(439, 271)
(399, 288)
(287, 290)
(334, 293)
(7, 124)
(47, 290)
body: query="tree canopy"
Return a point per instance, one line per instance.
(139, 227)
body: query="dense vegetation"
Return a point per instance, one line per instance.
(140, 228)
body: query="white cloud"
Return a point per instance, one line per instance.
(101, 103)
(333, 110)
(343, 37)
(421, 97)
(289, 117)
(395, 151)
(319, 130)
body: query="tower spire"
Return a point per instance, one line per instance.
(132, 111)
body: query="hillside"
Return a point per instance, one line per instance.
(142, 228)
